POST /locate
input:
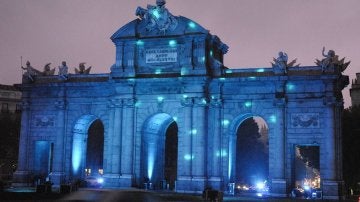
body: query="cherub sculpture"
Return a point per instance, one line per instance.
(331, 62)
(47, 70)
(82, 69)
(157, 17)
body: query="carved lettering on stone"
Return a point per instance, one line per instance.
(161, 55)
(305, 120)
(44, 121)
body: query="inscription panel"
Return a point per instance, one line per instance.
(160, 55)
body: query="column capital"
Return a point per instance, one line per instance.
(25, 105)
(187, 101)
(129, 102)
(216, 102)
(60, 104)
(200, 101)
(115, 102)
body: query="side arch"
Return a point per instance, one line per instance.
(232, 134)
(80, 133)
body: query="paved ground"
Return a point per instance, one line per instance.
(128, 195)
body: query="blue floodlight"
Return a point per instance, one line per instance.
(260, 185)
(100, 180)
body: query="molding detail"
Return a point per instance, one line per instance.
(305, 120)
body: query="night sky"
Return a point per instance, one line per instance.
(43, 31)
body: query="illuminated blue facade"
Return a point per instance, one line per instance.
(170, 69)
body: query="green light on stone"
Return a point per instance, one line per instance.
(252, 77)
(204, 101)
(222, 79)
(260, 70)
(211, 53)
(188, 157)
(193, 131)
(192, 25)
(248, 104)
(228, 71)
(160, 98)
(172, 43)
(175, 118)
(138, 104)
(290, 87)
(139, 42)
(158, 71)
(273, 119)
(185, 96)
(155, 13)
(225, 122)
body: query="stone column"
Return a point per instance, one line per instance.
(214, 138)
(117, 70)
(58, 174)
(184, 147)
(277, 153)
(108, 152)
(114, 163)
(199, 143)
(21, 174)
(127, 143)
(328, 168)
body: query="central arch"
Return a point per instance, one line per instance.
(159, 150)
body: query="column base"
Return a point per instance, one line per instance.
(215, 183)
(118, 180)
(278, 188)
(22, 178)
(57, 178)
(332, 189)
(187, 184)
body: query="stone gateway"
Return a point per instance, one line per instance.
(168, 113)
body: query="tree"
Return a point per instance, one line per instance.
(351, 146)
(251, 153)
(9, 141)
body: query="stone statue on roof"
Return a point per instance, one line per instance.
(47, 70)
(331, 62)
(157, 18)
(63, 70)
(31, 72)
(281, 65)
(82, 69)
